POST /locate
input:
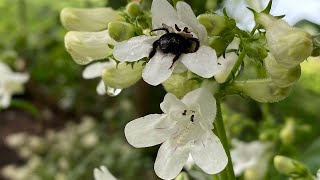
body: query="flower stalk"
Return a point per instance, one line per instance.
(235, 67)
(227, 173)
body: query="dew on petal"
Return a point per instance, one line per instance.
(113, 91)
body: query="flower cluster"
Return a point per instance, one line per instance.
(198, 60)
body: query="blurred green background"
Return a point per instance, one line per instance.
(61, 129)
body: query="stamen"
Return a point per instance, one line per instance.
(177, 28)
(185, 29)
(192, 118)
(184, 112)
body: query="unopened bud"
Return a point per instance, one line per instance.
(95, 19)
(120, 31)
(281, 76)
(290, 167)
(255, 50)
(85, 47)
(180, 85)
(134, 9)
(287, 133)
(289, 45)
(220, 43)
(262, 90)
(122, 75)
(215, 24)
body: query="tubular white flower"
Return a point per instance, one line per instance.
(85, 47)
(184, 128)
(102, 173)
(203, 62)
(10, 83)
(93, 19)
(249, 156)
(289, 45)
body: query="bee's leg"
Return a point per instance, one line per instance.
(154, 49)
(197, 43)
(160, 29)
(175, 59)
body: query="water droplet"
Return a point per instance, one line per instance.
(113, 91)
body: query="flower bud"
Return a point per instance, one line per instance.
(287, 133)
(95, 19)
(289, 45)
(290, 167)
(225, 67)
(215, 24)
(120, 31)
(281, 76)
(122, 75)
(85, 47)
(134, 9)
(262, 90)
(180, 85)
(220, 43)
(255, 50)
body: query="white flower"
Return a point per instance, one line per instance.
(184, 128)
(10, 83)
(103, 174)
(94, 19)
(85, 47)
(289, 45)
(250, 156)
(203, 62)
(318, 175)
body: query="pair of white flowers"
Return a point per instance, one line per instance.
(10, 83)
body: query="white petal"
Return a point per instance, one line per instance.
(134, 48)
(203, 62)
(94, 70)
(103, 174)
(158, 69)
(203, 100)
(163, 12)
(149, 130)
(4, 68)
(5, 100)
(209, 154)
(101, 89)
(170, 159)
(225, 67)
(172, 103)
(187, 16)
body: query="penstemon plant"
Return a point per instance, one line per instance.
(199, 60)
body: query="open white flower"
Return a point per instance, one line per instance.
(103, 174)
(250, 156)
(184, 128)
(202, 62)
(10, 83)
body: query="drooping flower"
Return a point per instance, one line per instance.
(202, 62)
(184, 128)
(103, 173)
(251, 157)
(93, 19)
(288, 45)
(85, 47)
(10, 83)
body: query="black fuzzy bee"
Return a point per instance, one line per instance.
(175, 43)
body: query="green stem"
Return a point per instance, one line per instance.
(227, 173)
(235, 67)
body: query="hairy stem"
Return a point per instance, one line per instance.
(227, 173)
